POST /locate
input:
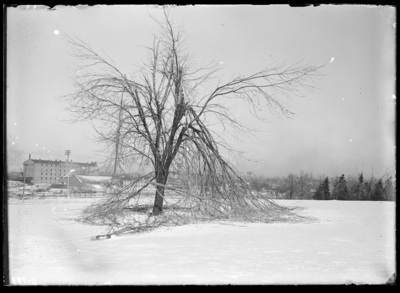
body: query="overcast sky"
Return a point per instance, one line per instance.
(347, 125)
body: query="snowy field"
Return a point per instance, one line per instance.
(352, 242)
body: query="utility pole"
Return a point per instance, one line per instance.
(23, 190)
(67, 153)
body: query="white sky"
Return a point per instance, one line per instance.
(347, 125)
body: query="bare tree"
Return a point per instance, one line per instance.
(303, 184)
(352, 184)
(389, 185)
(369, 187)
(162, 116)
(310, 185)
(290, 183)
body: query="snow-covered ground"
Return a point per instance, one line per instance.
(353, 242)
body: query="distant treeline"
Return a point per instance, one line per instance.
(306, 186)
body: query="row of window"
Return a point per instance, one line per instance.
(55, 174)
(50, 165)
(55, 170)
(59, 169)
(50, 179)
(63, 166)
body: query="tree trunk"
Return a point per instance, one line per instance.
(162, 176)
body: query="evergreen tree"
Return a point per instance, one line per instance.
(318, 193)
(361, 178)
(326, 193)
(340, 190)
(323, 191)
(361, 191)
(379, 191)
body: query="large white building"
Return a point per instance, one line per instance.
(48, 171)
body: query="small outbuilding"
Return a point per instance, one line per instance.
(89, 183)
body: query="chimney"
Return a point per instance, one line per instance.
(29, 156)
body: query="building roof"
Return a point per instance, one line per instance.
(97, 187)
(91, 164)
(93, 179)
